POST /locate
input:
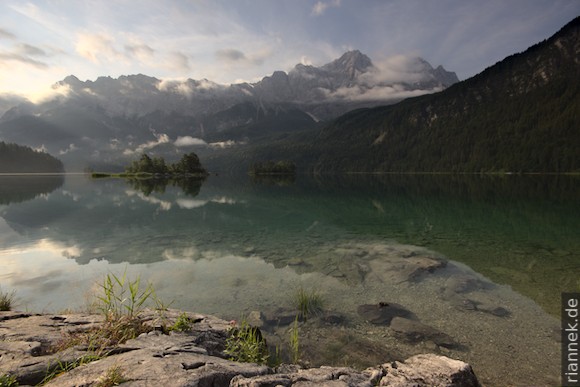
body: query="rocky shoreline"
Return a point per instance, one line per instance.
(192, 358)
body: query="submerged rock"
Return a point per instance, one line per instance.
(384, 312)
(478, 306)
(415, 332)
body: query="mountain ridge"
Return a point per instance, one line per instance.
(517, 115)
(101, 122)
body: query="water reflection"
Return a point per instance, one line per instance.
(189, 186)
(450, 249)
(520, 231)
(16, 189)
(277, 180)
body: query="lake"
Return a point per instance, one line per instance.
(479, 261)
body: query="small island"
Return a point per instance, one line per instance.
(188, 166)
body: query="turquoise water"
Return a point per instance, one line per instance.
(232, 246)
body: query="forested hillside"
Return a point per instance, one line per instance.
(520, 115)
(21, 159)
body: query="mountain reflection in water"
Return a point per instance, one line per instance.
(474, 258)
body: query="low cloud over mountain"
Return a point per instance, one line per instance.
(109, 119)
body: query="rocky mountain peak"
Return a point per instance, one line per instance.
(71, 81)
(351, 63)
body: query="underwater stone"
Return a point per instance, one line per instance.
(415, 332)
(384, 312)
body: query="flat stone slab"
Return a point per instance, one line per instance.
(192, 358)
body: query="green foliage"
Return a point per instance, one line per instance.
(122, 296)
(113, 377)
(307, 303)
(7, 380)
(520, 115)
(295, 342)
(6, 300)
(182, 324)
(189, 164)
(62, 367)
(246, 344)
(21, 159)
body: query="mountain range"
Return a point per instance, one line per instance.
(102, 123)
(350, 115)
(520, 115)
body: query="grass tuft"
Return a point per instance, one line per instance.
(295, 342)
(113, 377)
(7, 380)
(6, 300)
(121, 301)
(246, 344)
(182, 324)
(307, 303)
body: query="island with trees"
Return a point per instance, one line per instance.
(188, 166)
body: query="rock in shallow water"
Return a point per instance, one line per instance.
(384, 312)
(415, 331)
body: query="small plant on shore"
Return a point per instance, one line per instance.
(6, 300)
(113, 377)
(123, 297)
(246, 344)
(121, 302)
(295, 342)
(307, 303)
(183, 323)
(63, 367)
(7, 380)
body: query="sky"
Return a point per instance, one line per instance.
(230, 41)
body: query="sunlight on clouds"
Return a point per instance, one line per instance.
(188, 141)
(164, 205)
(97, 47)
(190, 204)
(162, 138)
(321, 6)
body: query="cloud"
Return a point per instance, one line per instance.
(160, 139)
(321, 6)
(28, 49)
(190, 204)
(397, 69)
(164, 205)
(230, 55)
(188, 141)
(179, 61)
(97, 47)
(5, 34)
(377, 93)
(22, 59)
(71, 148)
(225, 144)
(140, 51)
